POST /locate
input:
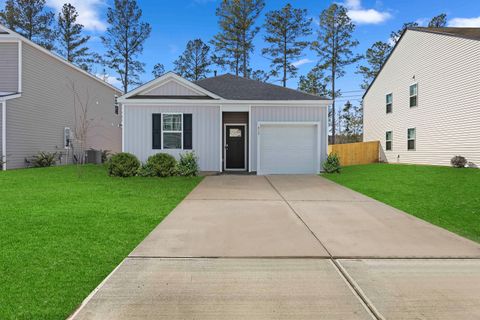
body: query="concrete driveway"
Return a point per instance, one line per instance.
(290, 247)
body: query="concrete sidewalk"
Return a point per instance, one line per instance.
(290, 247)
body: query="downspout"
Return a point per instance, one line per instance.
(4, 135)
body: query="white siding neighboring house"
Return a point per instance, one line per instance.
(431, 83)
(37, 103)
(232, 124)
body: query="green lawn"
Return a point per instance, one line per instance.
(64, 229)
(444, 196)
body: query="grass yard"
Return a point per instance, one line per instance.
(444, 196)
(64, 229)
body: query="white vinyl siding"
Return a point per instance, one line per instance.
(205, 134)
(9, 67)
(171, 88)
(447, 118)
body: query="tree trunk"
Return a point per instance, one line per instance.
(284, 80)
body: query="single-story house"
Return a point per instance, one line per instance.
(42, 100)
(424, 105)
(232, 124)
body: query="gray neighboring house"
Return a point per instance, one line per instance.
(232, 124)
(424, 105)
(39, 109)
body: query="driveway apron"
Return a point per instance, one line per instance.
(290, 247)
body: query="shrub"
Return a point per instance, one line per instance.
(123, 165)
(188, 165)
(162, 165)
(105, 155)
(44, 159)
(458, 162)
(146, 171)
(332, 164)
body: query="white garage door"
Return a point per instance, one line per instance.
(288, 148)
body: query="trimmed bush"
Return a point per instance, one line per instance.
(44, 159)
(123, 164)
(332, 164)
(458, 162)
(188, 165)
(162, 165)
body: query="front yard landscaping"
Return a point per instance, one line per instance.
(444, 196)
(64, 229)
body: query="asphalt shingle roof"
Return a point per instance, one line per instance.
(468, 33)
(231, 87)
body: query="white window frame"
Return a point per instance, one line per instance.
(65, 140)
(414, 139)
(386, 104)
(173, 131)
(415, 95)
(391, 140)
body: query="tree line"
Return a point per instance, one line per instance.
(286, 33)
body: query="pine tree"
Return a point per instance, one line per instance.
(124, 40)
(284, 29)
(375, 57)
(313, 83)
(234, 43)
(9, 15)
(31, 20)
(72, 44)
(334, 48)
(259, 75)
(193, 64)
(158, 70)
(439, 21)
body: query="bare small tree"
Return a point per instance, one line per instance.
(81, 121)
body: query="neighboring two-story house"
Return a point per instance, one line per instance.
(424, 105)
(43, 99)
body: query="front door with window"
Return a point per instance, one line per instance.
(235, 151)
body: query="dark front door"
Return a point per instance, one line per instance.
(235, 147)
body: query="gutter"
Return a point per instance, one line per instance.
(4, 135)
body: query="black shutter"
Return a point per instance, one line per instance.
(157, 131)
(187, 131)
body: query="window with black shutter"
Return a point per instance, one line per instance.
(157, 131)
(187, 131)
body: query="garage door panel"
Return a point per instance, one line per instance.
(288, 148)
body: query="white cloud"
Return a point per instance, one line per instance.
(465, 22)
(110, 79)
(88, 12)
(361, 15)
(301, 62)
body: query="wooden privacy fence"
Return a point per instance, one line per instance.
(356, 153)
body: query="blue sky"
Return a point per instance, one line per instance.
(174, 22)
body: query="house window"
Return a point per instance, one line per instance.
(172, 130)
(389, 102)
(411, 136)
(67, 138)
(413, 95)
(388, 140)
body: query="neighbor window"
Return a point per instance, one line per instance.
(67, 138)
(172, 131)
(411, 136)
(389, 102)
(388, 140)
(413, 95)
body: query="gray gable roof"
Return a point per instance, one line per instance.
(231, 87)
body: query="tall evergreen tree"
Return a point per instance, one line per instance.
(334, 48)
(193, 64)
(124, 41)
(375, 57)
(313, 82)
(234, 43)
(9, 15)
(439, 21)
(285, 28)
(259, 75)
(158, 70)
(31, 19)
(72, 42)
